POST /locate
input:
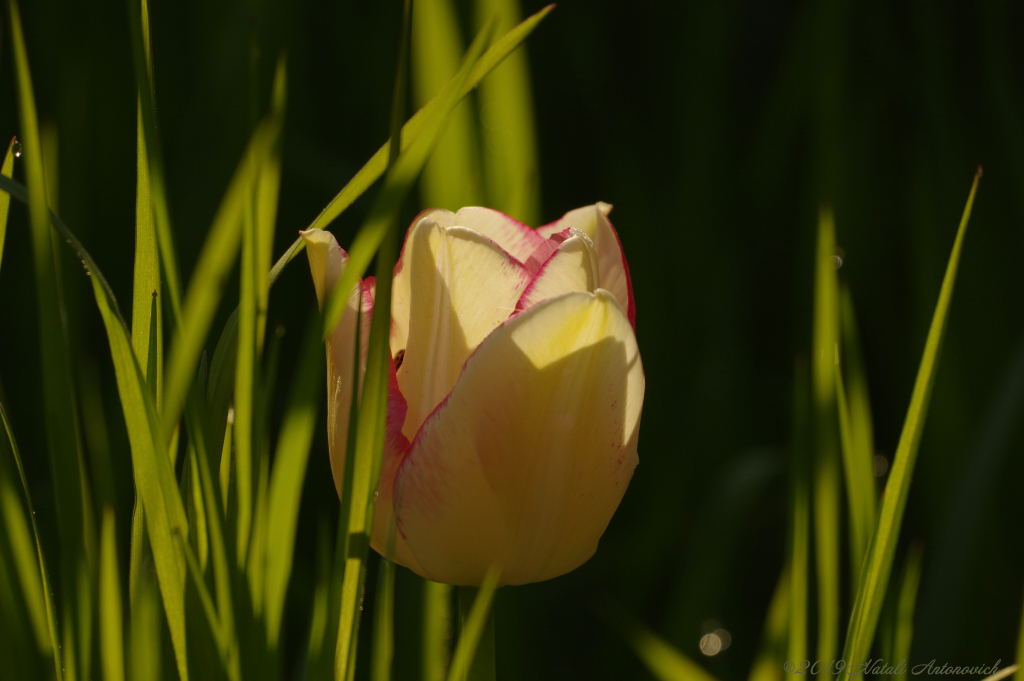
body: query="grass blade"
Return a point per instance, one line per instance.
(506, 116)
(878, 563)
(375, 167)
(475, 622)
(111, 633)
(800, 516)
(437, 615)
(826, 456)
(903, 633)
(451, 179)
(384, 622)
(7, 170)
(145, 634)
(288, 475)
(771, 655)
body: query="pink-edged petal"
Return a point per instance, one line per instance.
(462, 285)
(327, 261)
(612, 260)
(527, 459)
(518, 239)
(572, 267)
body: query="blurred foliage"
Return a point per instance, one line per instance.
(717, 129)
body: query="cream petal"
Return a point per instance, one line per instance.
(462, 286)
(593, 220)
(327, 261)
(572, 267)
(518, 239)
(527, 459)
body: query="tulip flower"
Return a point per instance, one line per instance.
(514, 407)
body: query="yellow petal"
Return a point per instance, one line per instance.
(327, 261)
(528, 458)
(593, 220)
(513, 236)
(462, 286)
(401, 291)
(573, 267)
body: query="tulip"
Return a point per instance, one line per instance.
(514, 406)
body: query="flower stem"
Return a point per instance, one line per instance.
(483, 665)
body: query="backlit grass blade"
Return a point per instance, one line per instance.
(826, 455)
(800, 516)
(145, 633)
(475, 622)
(111, 627)
(903, 632)
(383, 644)
(207, 283)
(506, 117)
(7, 170)
(267, 189)
(60, 414)
(288, 475)
(221, 385)
(375, 167)
(857, 440)
(662, 659)
(771, 655)
(152, 153)
(451, 179)
(878, 563)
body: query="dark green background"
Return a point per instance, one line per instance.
(716, 129)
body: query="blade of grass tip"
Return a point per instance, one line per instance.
(881, 550)
(858, 399)
(208, 280)
(267, 190)
(111, 632)
(800, 516)
(375, 167)
(151, 154)
(906, 600)
(437, 618)
(858, 457)
(28, 563)
(506, 117)
(288, 476)
(662, 659)
(451, 178)
(383, 644)
(826, 456)
(771, 655)
(473, 659)
(7, 170)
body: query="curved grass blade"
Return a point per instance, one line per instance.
(771, 655)
(826, 456)
(903, 632)
(878, 563)
(375, 167)
(506, 116)
(477, 623)
(288, 475)
(111, 632)
(7, 170)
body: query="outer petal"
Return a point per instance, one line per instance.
(327, 261)
(462, 286)
(573, 267)
(612, 261)
(513, 236)
(527, 459)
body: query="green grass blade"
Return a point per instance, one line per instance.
(7, 170)
(145, 633)
(437, 616)
(383, 645)
(288, 475)
(878, 563)
(111, 632)
(375, 167)
(771, 654)
(662, 659)
(267, 189)
(221, 385)
(826, 456)
(208, 280)
(151, 154)
(506, 116)
(903, 633)
(451, 178)
(800, 516)
(857, 440)
(477, 623)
